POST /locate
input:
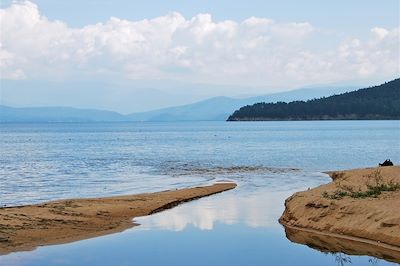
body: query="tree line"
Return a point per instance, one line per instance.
(378, 102)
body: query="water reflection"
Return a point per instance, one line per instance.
(338, 246)
(341, 259)
(232, 228)
(256, 210)
(373, 261)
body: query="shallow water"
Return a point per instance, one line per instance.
(268, 160)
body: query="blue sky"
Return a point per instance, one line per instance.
(353, 16)
(180, 51)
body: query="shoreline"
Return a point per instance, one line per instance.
(23, 228)
(346, 237)
(334, 243)
(347, 208)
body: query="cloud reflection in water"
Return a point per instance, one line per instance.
(259, 209)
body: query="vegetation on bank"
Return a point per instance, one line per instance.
(379, 102)
(374, 189)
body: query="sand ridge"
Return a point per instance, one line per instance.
(26, 227)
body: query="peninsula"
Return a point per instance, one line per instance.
(374, 103)
(26, 227)
(360, 205)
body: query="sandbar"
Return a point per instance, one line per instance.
(24, 228)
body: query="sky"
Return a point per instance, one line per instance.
(131, 56)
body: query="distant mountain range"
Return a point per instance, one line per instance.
(57, 114)
(219, 108)
(378, 102)
(213, 109)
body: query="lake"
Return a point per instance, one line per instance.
(268, 160)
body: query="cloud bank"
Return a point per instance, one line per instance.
(253, 52)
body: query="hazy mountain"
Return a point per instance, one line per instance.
(219, 108)
(96, 94)
(213, 109)
(56, 114)
(378, 102)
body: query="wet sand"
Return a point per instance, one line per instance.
(332, 210)
(24, 228)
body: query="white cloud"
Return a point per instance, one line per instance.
(254, 52)
(8, 68)
(380, 32)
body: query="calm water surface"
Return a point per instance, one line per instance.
(268, 160)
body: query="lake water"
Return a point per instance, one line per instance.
(268, 160)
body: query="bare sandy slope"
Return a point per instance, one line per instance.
(374, 219)
(26, 227)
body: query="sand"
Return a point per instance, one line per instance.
(370, 220)
(23, 228)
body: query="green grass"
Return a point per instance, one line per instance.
(373, 191)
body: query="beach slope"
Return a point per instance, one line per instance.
(363, 204)
(26, 227)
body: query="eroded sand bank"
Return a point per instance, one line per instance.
(26, 227)
(359, 203)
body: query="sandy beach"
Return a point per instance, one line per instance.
(26, 227)
(358, 205)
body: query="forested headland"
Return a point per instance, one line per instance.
(378, 102)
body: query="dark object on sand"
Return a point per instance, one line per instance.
(387, 162)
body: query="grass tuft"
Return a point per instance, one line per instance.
(373, 190)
